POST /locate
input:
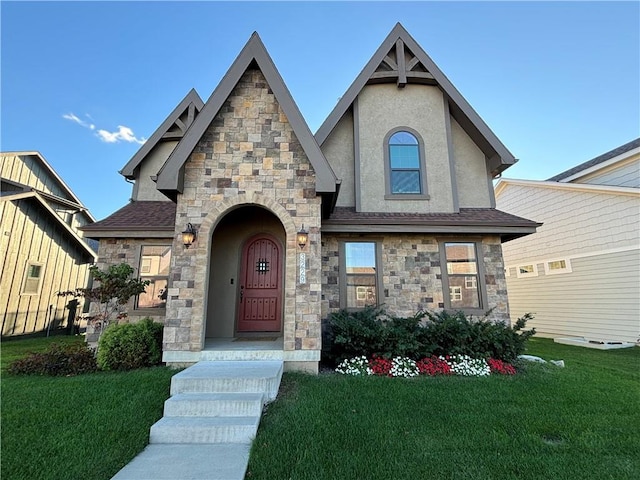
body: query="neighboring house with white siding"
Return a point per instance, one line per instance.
(42, 250)
(580, 272)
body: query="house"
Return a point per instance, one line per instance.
(580, 273)
(289, 227)
(43, 249)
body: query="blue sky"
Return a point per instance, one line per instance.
(557, 82)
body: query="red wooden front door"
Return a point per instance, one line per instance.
(260, 294)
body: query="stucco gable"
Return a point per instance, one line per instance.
(174, 127)
(400, 60)
(170, 179)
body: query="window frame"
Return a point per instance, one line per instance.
(40, 277)
(146, 309)
(343, 270)
(520, 274)
(389, 195)
(480, 282)
(557, 271)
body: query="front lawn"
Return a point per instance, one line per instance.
(573, 423)
(82, 427)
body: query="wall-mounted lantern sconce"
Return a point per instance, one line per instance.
(188, 236)
(303, 237)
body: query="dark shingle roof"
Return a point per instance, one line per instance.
(139, 216)
(466, 216)
(595, 161)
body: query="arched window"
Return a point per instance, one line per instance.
(405, 165)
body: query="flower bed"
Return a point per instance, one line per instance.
(431, 366)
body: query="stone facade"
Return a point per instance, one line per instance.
(412, 275)
(249, 155)
(113, 251)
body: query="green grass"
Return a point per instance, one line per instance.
(13, 349)
(573, 423)
(82, 427)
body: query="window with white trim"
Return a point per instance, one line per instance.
(528, 270)
(455, 293)
(554, 267)
(155, 262)
(32, 278)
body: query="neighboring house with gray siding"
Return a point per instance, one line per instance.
(393, 197)
(43, 249)
(580, 272)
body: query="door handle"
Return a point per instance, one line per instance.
(241, 292)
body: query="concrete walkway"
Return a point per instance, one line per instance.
(209, 422)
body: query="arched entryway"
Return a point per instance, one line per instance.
(246, 274)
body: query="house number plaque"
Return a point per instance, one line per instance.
(303, 269)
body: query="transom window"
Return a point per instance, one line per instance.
(360, 274)
(155, 261)
(404, 164)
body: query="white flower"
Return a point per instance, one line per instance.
(354, 366)
(467, 366)
(403, 367)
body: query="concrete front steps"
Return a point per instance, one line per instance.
(211, 419)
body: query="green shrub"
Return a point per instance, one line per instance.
(455, 334)
(58, 360)
(353, 333)
(371, 332)
(130, 345)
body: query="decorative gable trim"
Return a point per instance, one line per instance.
(171, 176)
(401, 60)
(174, 127)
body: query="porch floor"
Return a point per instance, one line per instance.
(240, 348)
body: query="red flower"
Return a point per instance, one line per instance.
(503, 368)
(380, 366)
(433, 366)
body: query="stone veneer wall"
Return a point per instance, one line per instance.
(113, 251)
(248, 155)
(412, 276)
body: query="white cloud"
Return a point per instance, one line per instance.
(74, 118)
(124, 134)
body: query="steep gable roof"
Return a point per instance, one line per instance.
(174, 127)
(29, 193)
(170, 178)
(567, 175)
(69, 195)
(401, 60)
